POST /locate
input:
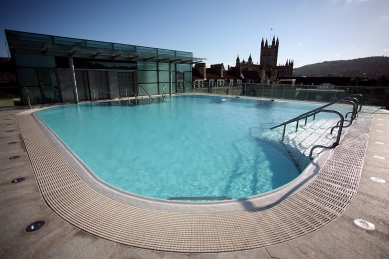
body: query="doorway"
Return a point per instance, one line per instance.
(49, 85)
(180, 82)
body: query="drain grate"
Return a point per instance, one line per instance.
(35, 226)
(18, 180)
(364, 224)
(377, 179)
(14, 157)
(10, 143)
(10, 130)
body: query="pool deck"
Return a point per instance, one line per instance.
(22, 204)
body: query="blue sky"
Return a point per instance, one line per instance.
(309, 31)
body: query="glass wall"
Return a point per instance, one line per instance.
(42, 65)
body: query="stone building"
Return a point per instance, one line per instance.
(267, 71)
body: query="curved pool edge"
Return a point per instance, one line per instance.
(249, 203)
(323, 199)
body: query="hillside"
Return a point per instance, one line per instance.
(371, 67)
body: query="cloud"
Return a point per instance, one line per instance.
(300, 44)
(337, 55)
(386, 50)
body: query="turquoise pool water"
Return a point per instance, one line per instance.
(186, 146)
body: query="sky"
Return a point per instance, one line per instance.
(309, 31)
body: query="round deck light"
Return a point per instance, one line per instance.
(18, 180)
(35, 226)
(364, 224)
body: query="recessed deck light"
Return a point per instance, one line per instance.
(35, 226)
(364, 224)
(377, 179)
(18, 180)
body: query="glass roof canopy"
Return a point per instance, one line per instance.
(32, 43)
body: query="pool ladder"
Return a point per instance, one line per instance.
(351, 99)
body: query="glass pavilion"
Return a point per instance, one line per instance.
(61, 69)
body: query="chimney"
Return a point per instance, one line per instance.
(219, 68)
(201, 67)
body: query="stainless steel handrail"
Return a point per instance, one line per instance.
(348, 99)
(147, 93)
(28, 97)
(163, 91)
(312, 112)
(336, 143)
(136, 97)
(94, 95)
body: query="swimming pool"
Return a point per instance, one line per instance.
(186, 146)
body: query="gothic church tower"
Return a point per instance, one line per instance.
(269, 54)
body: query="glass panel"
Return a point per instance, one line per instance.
(124, 47)
(80, 63)
(163, 76)
(147, 77)
(150, 88)
(147, 65)
(184, 67)
(125, 65)
(184, 54)
(62, 62)
(163, 66)
(167, 52)
(146, 49)
(31, 37)
(69, 41)
(96, 64)
(126, 80)
(26, 60)
(99, 44)
(49, 86)
(34, 94)
(27, 77)
(188, 77)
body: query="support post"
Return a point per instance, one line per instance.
(73, 76)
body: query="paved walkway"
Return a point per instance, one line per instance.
(21, 204)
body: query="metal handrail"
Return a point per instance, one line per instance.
(28, 97)
(163, 91)
(312, 112)
(336, 143)
(348, 99)
(94, 95)
(136, 98)
(147, 93)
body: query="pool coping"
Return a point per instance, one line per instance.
(324, 199)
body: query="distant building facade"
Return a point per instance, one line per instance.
(267, 71)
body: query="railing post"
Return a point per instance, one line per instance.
(283, 133)
(28, 98)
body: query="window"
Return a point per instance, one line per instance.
(239, 82)
(211, 82)
(198, 83)
(231, 82)
(220, 82)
